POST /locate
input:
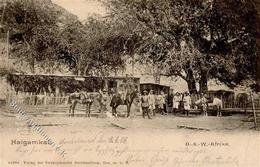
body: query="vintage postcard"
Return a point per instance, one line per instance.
(129, 83)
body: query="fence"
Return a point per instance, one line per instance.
(29, 99)
(39, 99)
(246, 101)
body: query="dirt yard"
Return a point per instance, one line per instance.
(171, 141)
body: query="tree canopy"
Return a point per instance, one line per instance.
(42, 38)
(196, 39)
(34, 30)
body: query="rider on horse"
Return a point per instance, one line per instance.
(123, 97)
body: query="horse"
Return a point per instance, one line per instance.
(80, 98)
(217, 103)
(128, 101)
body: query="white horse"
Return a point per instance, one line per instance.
(217, 103)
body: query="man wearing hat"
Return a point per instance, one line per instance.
(145, 104)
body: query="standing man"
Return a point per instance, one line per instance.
(204, 104)
(103, 96)
(187, 103)
(145, 104)
(151, 101)
(73, 99)
(115, 102)
(161, 102)
(176, 102)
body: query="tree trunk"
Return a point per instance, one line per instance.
(191, 82)
(116, 71)
(79, 66)
(85, 70)
(192, 86)
(78, 72)
(203, 82)
(32, 65)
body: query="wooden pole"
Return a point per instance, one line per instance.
(3, 12)
(253, 106)
(7, 45)
(133, 65)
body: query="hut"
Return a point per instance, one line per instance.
(223, 92)
(227, 97)
(157, 88)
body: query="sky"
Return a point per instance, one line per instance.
(81, 8)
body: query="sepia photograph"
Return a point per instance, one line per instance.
(129, 83)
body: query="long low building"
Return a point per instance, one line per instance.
(69, 83)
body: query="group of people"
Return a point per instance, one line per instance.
(150, 102)
(185, 98)
(158, 103)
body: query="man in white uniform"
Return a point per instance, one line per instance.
(187, 103)
(151, 101)
(176, 102)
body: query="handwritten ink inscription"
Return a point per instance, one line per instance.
(117, 150)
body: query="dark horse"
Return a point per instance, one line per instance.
(81, 98)
(128, 101)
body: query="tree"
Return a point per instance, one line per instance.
(35, 34)
(41, 37)
(231, 45)
(197, 39)
(90, 48)
(256, 87)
